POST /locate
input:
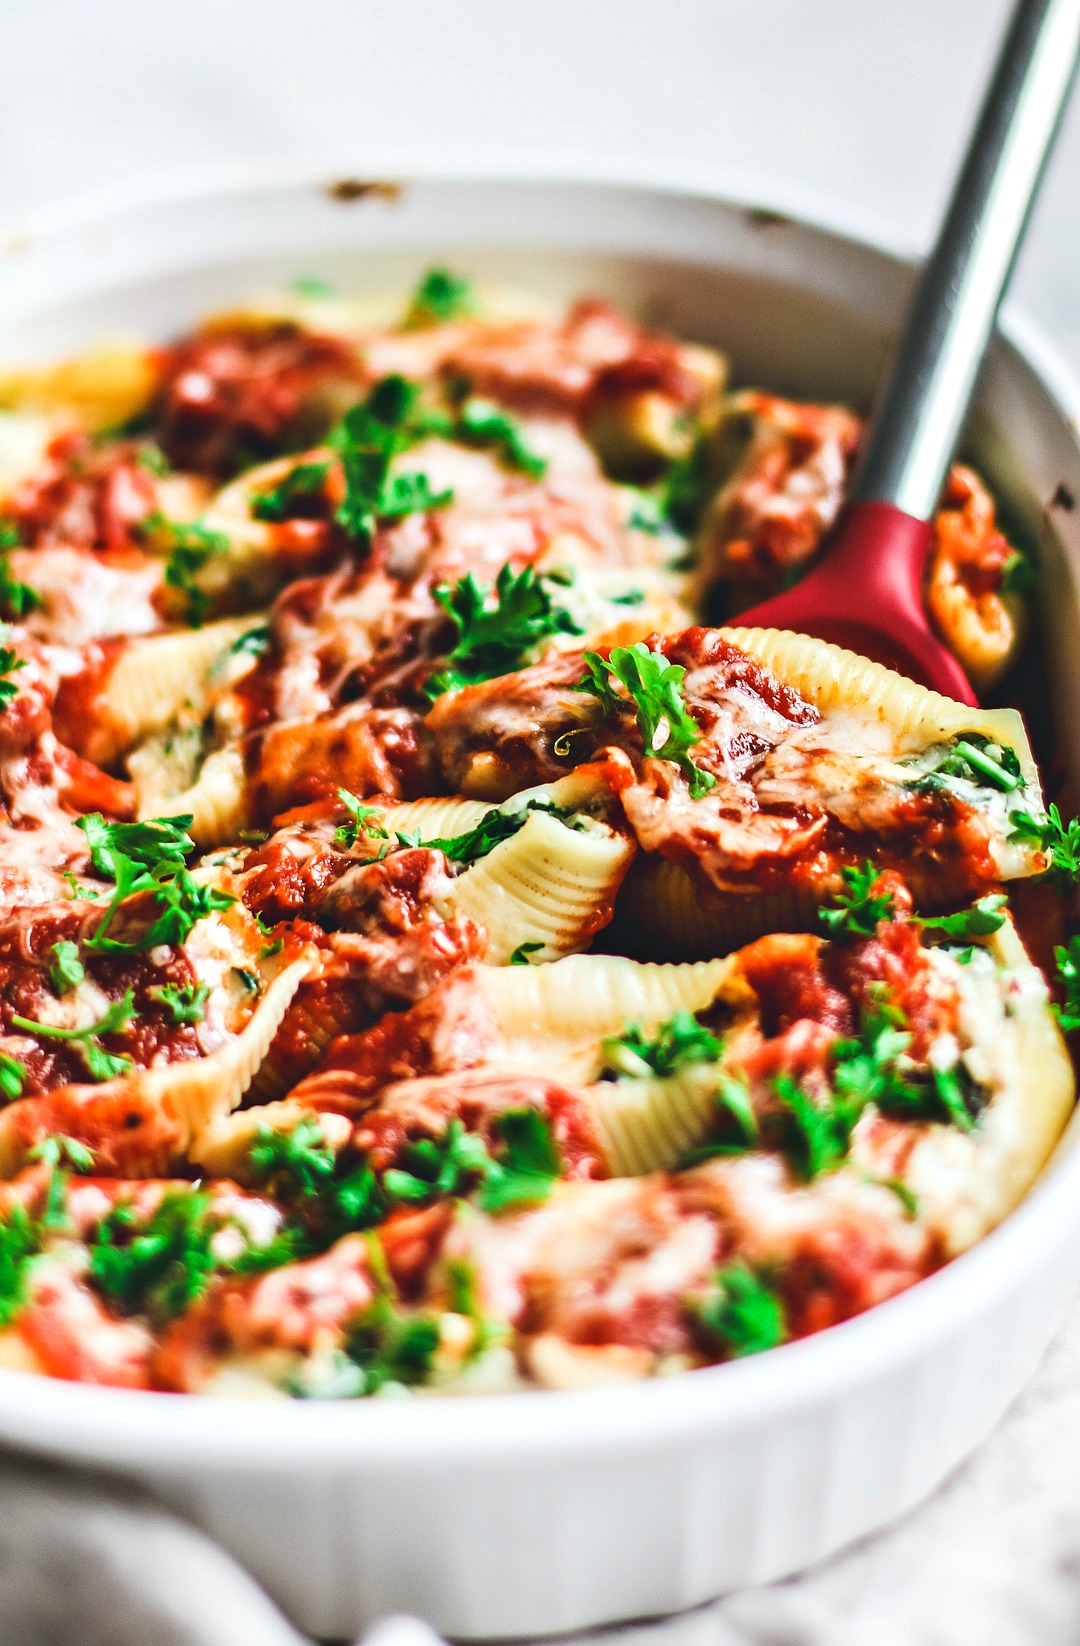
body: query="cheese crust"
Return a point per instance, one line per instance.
(433, 958)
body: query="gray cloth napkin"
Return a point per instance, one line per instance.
(992, 1560)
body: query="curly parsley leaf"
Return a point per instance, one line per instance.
(184, 1002)
(335, 1195)
(439, 297)
(483, 423)
(820, 1127)
(433, 1168)
(295, 1163)
(741, 1315)
(981, 920)
(497, 629)
(368, 439)
(12, 1078)
(20, 1243)
(679, 1041)
(57, 1152)
(857, 910)
(303, 482)
(874, 1067)
(10, 662)
(189, 546)
(654, 687)
(101, 1065)
(347, 834)
(389, 1346)
(66, 970)
(493, 828)
(1067, 962)
(158, 1265)
(149, 857)
(520, 956)
(529, 1166)
(1057, 840)
(16, 599)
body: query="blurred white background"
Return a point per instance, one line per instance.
(866, 101)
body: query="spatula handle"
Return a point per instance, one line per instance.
(926, 395)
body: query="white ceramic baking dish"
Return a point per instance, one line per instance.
(534, 1513)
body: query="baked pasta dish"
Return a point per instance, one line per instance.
(442, 951)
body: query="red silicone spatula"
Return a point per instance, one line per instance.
(866, 591)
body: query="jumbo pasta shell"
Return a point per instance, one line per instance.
(650, 1125)
(223, 1146)
(576, 1001)
(183, 1096)
(966, 1182)
(547, 884)
(664, 910)
(152, 680)
(216, 802)
(316, 1017)
(439, 818)
(831, 678)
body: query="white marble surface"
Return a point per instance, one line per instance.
(865, 99)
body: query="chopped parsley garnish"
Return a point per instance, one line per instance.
(190, 546)
(12, 1077)
(529, 1166)
(159, 1265)
(493, 828)
(497, 629)
(440, 296)
(819, 1130)
(305, 480)
(741, 1314)
(431, 1168)
(368, 439)
(1059, 841)
(977, 760)
(302, 1167)
(483, 423)
(149, 857)
(347, 834)
(520, 956)
(184, 1002)
(9, 663)
(857, 910)
(655, 688)
(1067, 961)
(151, 459)
(20, 1242)
(16, 599)
(681, 1040)
(981, 920)
(1018, 574)
(683, 489)
(66, 970)
(874, 1068)
(100, 1064)
(56, 1152)
(293, 1164)
(389, 1346)
(256, 641)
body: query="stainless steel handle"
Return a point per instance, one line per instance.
(926, 394)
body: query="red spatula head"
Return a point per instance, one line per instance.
(866, 594)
